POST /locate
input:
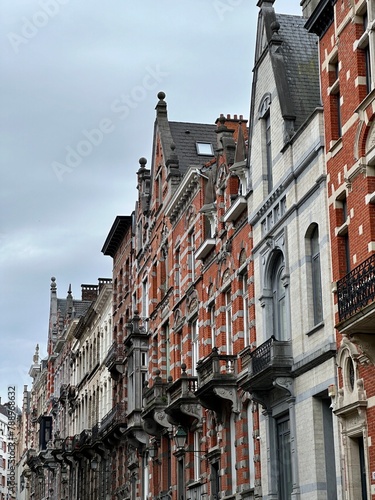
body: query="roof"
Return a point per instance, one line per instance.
(80, 307)
(300, 53)
(116, 234)
(185, 136)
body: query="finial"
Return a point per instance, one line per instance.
(161, 96)
(275, 26)
(142, 163)
(53, 283)
(70, 289)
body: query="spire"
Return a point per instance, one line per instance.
(240, 154)
(36, 355)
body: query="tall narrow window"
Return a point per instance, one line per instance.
(197, 461)
(316, 276)
(233, 455)
(178, 269)
(211, 312)
(284, 458)
(335, 100)
(228, 322)
(366, 50)
(267, 120)
(192, 255)
(145, 299)
(250, 429)
(194, 347)
(265, 116)
(279, 301)
(167, 350)
(245, 308)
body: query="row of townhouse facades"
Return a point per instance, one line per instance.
(231, 353)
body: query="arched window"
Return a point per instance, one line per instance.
(316, 276)
(279, 300)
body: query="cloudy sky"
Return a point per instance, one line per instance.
(78, 91)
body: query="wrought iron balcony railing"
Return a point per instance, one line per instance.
(115, 355)
(117, 415)
(261, 356)
(357, 289)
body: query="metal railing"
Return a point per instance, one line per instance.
(116, 415)
(357, 289)
(261, 356)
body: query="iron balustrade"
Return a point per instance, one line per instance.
(115, 354)
(261, 356)
(356, 289)
(116, 415)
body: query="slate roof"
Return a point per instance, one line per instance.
(185, 136)
(300, 52)
(80, 307)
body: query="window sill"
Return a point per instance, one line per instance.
(335, 146)
(315, 328)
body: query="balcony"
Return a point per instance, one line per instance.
(217, 381)
(114, 424)
(269, 369)
(63, 392)
(183, 407)
(154, 403)
(356, 306)
(114, 360)
(355, 298)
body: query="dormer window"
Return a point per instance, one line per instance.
(204, 148)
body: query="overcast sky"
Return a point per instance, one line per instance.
(78, 88)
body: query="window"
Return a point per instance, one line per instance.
(194, 347)
(267, 120)
(167, 350)
(335, 99)
(284, 458)
(211, 313)
(279, 300)
(233, 457)
(228, 322)
(316, 276)
(250, 430)
(178, 269)
(364, 46)
(205, 149)
(245, 308)
(265, 116)
(145, 299)
(197, 461)
(192, 255)
(343, 236)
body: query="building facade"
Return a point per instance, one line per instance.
(346, 45)
(70, 394)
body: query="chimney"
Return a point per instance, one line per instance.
(89, 292)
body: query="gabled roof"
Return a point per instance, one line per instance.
(300, 52)
(295, 64)
(186, 136)
(80, 307)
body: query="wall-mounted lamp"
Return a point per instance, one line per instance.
(180, 438)
(153, 452)
(94, 465)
